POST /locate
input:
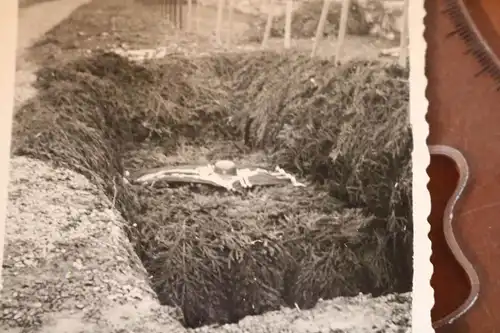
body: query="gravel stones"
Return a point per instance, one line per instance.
(68, 264)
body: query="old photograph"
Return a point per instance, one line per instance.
(210, 166)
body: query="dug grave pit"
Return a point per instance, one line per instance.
(221, 256)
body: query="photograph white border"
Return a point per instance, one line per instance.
(423, 294)
(8, 38)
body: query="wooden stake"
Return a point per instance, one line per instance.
(267, 29)
(288, 24)
(321, 26)
(173, 12)
(179, 7)
(189, 15)
(168, 10)
(197, 15)
(344, 14)
(218, 25)
(403, 53)
(230, 21)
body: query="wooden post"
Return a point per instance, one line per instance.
(218, 26)
(166, 4)
(288, 24)
(173, 12)
(321, 26)
(267, 29)
(197, 15)
(178, 13)
(344, 14)
(403, 53)
(189, 15)
(113, 23)
(230, 19)
(183, 15)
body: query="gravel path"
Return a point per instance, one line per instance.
(34, 21)
(69, 267)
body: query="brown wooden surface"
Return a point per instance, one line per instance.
(464, 113)
(443, 180)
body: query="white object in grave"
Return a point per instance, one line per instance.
(225, 167)
(223, 173)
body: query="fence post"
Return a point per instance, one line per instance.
(189, 15)
(288, 24)
(344, 14)
(218, 26)
(321, 26)
(179, 6)
(230, 19)
(172, 12)
(197, 16)
(403, 53)
(267, 29)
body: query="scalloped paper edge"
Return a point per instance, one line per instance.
(423, 294)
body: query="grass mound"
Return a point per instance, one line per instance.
(221, 256)
(305, 21)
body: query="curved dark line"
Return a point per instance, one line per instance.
(453, 245)
(469, 31)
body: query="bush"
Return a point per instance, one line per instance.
(305, 21)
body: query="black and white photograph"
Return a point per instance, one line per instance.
(222, 166)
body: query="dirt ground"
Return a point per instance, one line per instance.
(70, 268)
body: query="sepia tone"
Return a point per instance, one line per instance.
(113, 90)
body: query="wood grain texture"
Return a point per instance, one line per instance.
(464, 113)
